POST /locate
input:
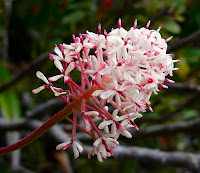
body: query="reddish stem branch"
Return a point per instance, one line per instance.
(38, 132)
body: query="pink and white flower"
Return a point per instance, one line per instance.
(127, 66)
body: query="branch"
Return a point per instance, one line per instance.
(188, 103)
(44, 108)
(180, 87)
(184, 42)
(185, 126)
(179, 159)
(21, 74)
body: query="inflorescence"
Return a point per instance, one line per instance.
(117, 81)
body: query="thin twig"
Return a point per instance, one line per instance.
(45, 108)
(180, 87)
(184, 126)
(184, 42)
(21, 74)
(171, 115)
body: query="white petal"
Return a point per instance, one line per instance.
(37, 90)
(99, 157)
(127, 134)
(66, 79)
(68, 46)
(96, 143)
(58, 65)
(128, 78)
(80, 148)
(97, 93)
(113, 129)
(55, 78)
(122, 32)
(92, 113)
(110, 98)
(94, 62)
(106, 70)
(115, 112)
(76, 152)
(41, 76)
(90, 71)
(70, 68)
(87, 125)
(105, 123)
(106, 129)
(58, 52)
(118, 100)
(62, 145)
(107, 94)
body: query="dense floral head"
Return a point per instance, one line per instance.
(121, 68)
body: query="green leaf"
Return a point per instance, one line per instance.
(171, 26)
(185, 68)
(73, 17)
(189, 114)
(9, 101)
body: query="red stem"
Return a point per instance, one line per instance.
(38, 132)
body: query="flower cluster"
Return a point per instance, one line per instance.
(119, 71)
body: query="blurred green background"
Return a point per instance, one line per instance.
(31, 28)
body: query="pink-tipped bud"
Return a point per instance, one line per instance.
(119, 23)
(169, 80)
(159, 28)
(163, 86)
(74, 38)
(81, 38)
(148, 24)
(177, 60)
(134, 125)
(135, 24)
(85, 35)
(168, 39)
(105, 34)
(62, 46)
(51, 56)
(175, 69)
(150, 108)
(140, 107)
(99, 29)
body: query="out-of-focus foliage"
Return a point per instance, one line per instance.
(9, 101)
(34, 26)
